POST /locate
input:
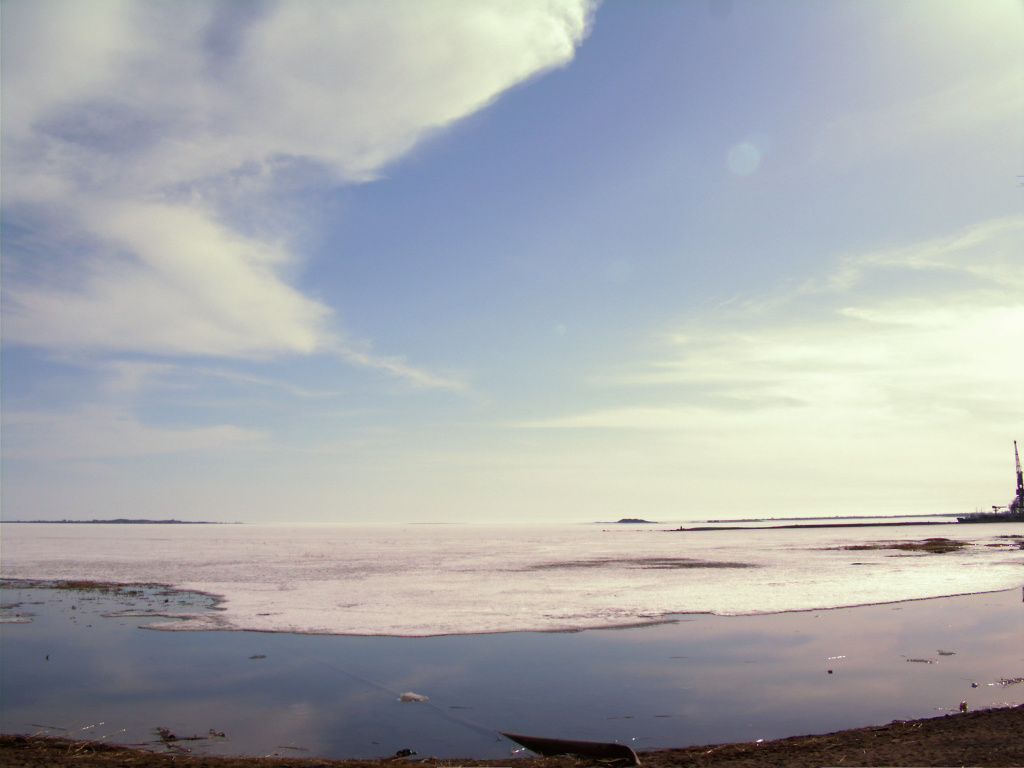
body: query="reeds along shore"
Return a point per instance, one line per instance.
(993, 737)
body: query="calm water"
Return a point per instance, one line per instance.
(84, 667)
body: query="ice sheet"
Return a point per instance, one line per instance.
(419, 580)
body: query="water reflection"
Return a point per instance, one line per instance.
(82, 665)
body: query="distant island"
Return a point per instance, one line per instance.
(820, 517)
(122, 521)
(636, 520)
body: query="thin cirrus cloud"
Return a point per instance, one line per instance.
(169, 280)
(983, 102)
(105, 432)
(148, 147)
(936, 342)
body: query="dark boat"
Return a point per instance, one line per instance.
(1012, 512)
(595, 749)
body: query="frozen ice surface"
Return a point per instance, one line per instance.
(419, 580)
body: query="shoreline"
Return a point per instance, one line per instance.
(704, 680)
(985, 737)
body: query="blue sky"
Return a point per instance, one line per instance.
(511, 261)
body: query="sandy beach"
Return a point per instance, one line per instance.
(986, 738)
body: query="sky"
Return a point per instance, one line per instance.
(511, 260)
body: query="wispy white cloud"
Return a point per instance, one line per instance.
(936, 342)
(989, 251)
(952, 112)
(194, 91)
(155, 141)
(167, 279)
(968, 84)
(400, 368)
(126, 378)
(104, 432)
(887, 385)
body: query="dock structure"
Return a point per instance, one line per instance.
(1012, 512)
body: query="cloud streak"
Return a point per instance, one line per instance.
(840, 351)
(169, 280)
(106, 432)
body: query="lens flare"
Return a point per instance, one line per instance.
(743, 158)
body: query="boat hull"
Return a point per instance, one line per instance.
(596, 749)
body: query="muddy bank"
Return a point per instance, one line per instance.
(984, 738)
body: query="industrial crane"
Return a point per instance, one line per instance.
(1013, 513)
(1017, 505)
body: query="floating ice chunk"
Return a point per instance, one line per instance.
(409, 696)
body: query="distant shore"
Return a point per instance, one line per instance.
(806, 525)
